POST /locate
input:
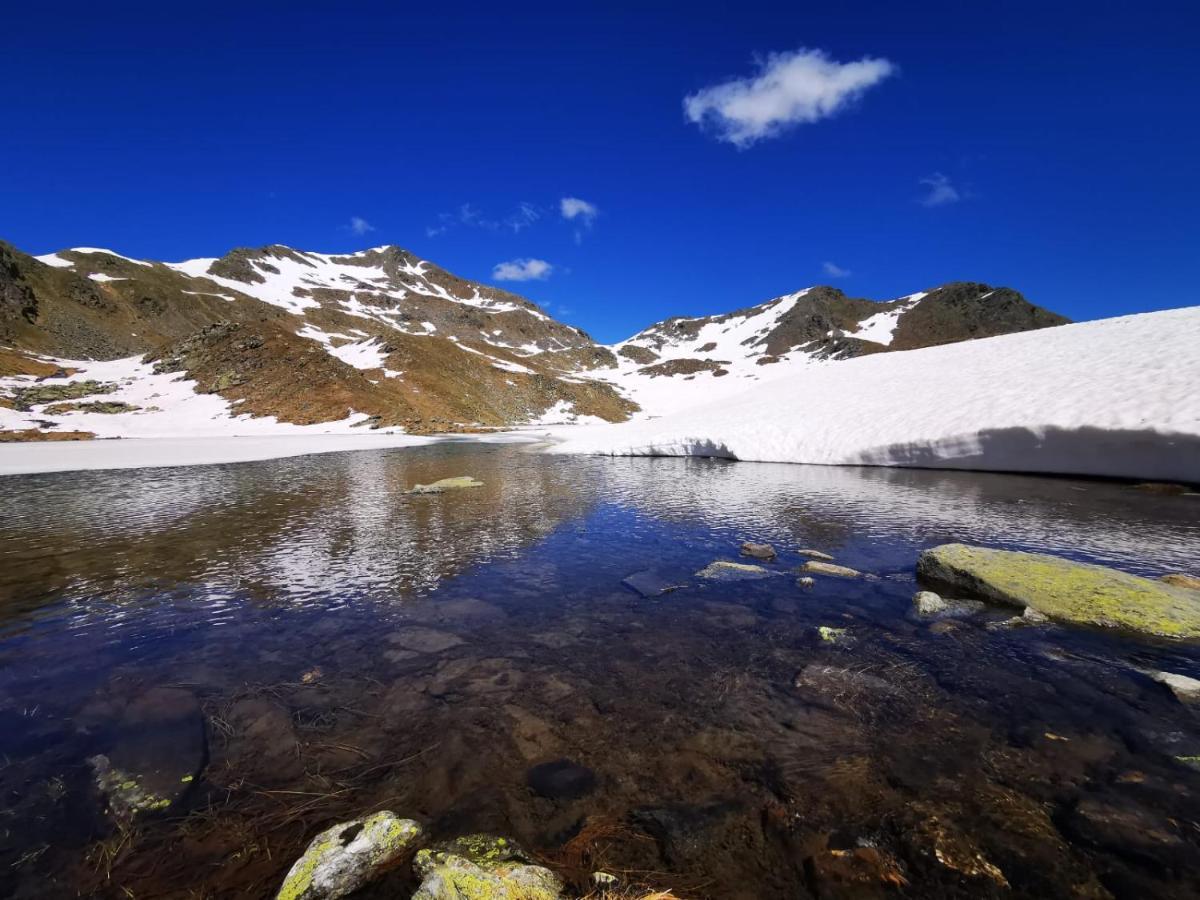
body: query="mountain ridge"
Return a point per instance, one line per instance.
(382, 338)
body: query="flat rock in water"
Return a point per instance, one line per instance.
(159, 750)
(758, 551)
(722, 570)
(824, 568)
(649, 584)
(561, 780)
(342, 859)
(1066, 591)
(815, 554)
(424, 640)
(1185, 689)
(445, 484)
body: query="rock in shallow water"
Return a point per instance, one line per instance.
(159, 750)
(561, 780)
(815, 554)
(481, 867)
(343, 858)
(759, 551)
(445, 484)
(1066, 591)
(823, 568)
(649, 584)
(1185, 689)
(732, 571)
(928, 605)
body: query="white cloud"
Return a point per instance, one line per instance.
(833, 270)
(359, 225)
(941, 192)
(790, 89)
(522, 270)
(574, 208)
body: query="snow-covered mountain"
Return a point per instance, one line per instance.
(276, 339)
(663, 367)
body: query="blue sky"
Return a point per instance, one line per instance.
(879, 147)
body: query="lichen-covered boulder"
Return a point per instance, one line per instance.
(1066, 591)
(345, 857)
(446, 484)
(482, 867)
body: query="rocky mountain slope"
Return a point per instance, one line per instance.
(97, 343)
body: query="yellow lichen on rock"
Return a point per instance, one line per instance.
(1065, 590)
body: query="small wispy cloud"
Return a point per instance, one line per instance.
(359, 225)
(789, 89)
(833, 270)
(522, 270)
(524, 215)
(940, 191)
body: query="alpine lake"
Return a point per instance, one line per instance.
(202, 668)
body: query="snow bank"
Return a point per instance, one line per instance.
(1118, 397)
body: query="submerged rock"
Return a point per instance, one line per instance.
(839, 681)
(419, 639)
(805, 581)
(759, 551)
(1185, 689)
(722, 570)
(159, 750)
(343, 858)
(831, 635)
(561, 779)
(446, 484)
(481, 867)
(815, 554)
(649, 584)
(957, 851)
(1066, 591)
(825, 568)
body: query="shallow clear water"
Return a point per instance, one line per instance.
(349, 647)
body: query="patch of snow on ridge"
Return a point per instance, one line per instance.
(53, 259)
(1115, 397)
(366, 354)
(882, 326)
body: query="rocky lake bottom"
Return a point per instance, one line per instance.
(202, 668)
